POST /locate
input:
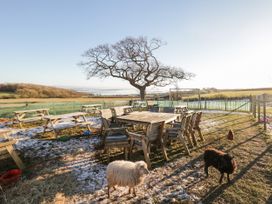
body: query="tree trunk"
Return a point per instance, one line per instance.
(142, 93)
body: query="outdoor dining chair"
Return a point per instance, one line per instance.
(152, 135)
(196, 125)
(107, 121)
(113, 135)
(116, 138)
(180, 133)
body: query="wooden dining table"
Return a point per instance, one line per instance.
(150, 118)
(147, 117)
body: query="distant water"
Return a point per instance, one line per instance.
(112, 92)
(106, 92)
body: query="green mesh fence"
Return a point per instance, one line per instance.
(6, 109)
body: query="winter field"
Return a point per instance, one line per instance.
(71, 169)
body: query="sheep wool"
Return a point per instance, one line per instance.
(126, 173)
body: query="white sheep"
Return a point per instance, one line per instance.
(126, 173)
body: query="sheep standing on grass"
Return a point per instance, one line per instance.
(126, 173)
(219, 160)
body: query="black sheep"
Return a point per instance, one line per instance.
(222, 161)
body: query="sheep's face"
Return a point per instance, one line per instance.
(141, 166)
(230, 162)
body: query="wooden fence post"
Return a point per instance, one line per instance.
(226, 104)
(259, 109)
(254, 106)
(199, 99)
(264, 111)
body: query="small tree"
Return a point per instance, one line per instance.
(132, 59)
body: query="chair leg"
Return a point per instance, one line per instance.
(126, 153)
(194, 138)
(182, 139)
(131, 147)
(200, 134)
(189, 139)
(146, 154)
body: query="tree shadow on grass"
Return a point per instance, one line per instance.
(214, 193)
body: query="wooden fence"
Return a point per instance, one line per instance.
(259, 107)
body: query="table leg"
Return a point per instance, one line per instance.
(146, 153)
(17, 117)
(87, 125)
(162, 142)
(52, 124)
(15, 157)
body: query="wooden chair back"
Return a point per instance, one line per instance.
(106, 116)
(187, 123)
(128, 110)
(153, 131)
(197, 120)
(118, 111)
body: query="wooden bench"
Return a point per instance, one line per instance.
(6, 149)
(27, 116)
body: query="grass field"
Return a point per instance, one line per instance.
(233, 93)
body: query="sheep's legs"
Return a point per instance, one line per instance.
(134, 191)
(108, 191)
(206, 170)
(221, 178)
(228, 178)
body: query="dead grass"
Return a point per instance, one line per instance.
(251, 183)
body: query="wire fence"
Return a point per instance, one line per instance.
(242, 105)
(7, 109)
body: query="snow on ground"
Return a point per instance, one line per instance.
(83, 166)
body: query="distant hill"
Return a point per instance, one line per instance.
(22, 90)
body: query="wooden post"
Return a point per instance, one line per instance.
(259, 110)
(251, 104)
(254, 106)
(264, 111)
(205, 104)
(199, 99)
(226, 104)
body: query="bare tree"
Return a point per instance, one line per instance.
(132, 59)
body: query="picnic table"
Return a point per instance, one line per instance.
(25, 116)
(91, 108)
(77, 119)
(6, 146)
(150, 119)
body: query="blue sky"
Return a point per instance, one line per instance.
(227, 44)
